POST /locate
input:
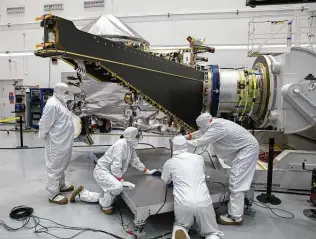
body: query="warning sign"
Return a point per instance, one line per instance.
(11, 97)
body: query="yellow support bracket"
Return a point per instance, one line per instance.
(44, 44)
(46, 16)
(254, 91)
(241, 94)
(246, 101)
(9, 119)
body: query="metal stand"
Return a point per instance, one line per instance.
(171, 147)
(139, 232)
(21, 136)
(268, 197)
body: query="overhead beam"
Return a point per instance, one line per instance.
(254, 3)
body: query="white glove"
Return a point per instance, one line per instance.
(150, 172)
(128, 185)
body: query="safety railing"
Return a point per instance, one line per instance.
(22, 146)
(278, 35)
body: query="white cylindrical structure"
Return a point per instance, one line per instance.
(240, 93)
(228, 90)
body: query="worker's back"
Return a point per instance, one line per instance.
(187, 173)
(232, 137)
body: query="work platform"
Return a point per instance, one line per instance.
(150, 196)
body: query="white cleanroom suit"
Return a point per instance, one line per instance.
(239, 149)
(56, 127)
(192, 200)
(110, 169)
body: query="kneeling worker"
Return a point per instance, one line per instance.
(239, 149)
(110, 169)
(192, 200)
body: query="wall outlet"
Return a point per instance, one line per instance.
(93, 3)
(53, 7)
(15, 10)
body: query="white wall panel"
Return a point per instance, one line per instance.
(36, 70)
(215, 20)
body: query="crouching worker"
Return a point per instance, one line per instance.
(192, 200)
(110, 169)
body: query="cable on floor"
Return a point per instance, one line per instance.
(263, 205)
(223, 194)
(25, 214)
(123, 224)
(161, 236)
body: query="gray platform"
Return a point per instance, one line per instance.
(149, 194)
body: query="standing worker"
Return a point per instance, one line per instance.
(192, 200)
(110, 169)
(56, 127)
(239, 149)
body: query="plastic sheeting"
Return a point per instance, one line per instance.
(113, 28)
(104, 99)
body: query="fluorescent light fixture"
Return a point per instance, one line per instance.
(93, 3)
(10, 54)
(15, 10)
(53, 7)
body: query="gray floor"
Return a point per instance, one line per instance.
(22, 182)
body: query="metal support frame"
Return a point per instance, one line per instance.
(22, 146)
(149, 198)
(268, 197)
(301, 97)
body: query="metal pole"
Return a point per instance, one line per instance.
(49, 72)
(171, 147)
(268, 197)
(270, 167)
(289, 34)
(21, 135)
(21, 132)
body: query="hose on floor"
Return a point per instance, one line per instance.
(26, 216)
(273, 210)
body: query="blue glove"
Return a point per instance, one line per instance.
(157, 174)
(170, 185)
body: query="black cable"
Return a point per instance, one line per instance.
(311, 140)
(161, 236)
(124, 225)
(21, 212)
(164, 203)
(260, 204)
(203, 150)
(25, 214)
(223, 194)
(148, 145)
